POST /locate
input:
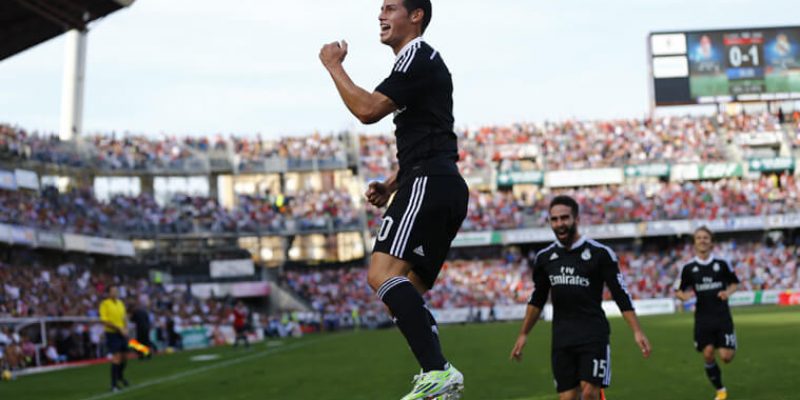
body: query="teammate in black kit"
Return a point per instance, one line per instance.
(430, 196)
(713, 281)
(573, 270)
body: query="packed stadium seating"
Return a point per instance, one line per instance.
(340, 297)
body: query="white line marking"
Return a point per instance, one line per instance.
(196, 371)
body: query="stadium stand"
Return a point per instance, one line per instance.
(289, 201)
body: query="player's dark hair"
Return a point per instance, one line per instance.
(706, 230)
(568, 201)
(425, 5)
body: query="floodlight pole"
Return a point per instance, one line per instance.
(72, 85)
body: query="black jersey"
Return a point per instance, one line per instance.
(422, 89)
(575, 279)
(707, 278)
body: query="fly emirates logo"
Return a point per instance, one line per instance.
(708, 284)
(568, 277)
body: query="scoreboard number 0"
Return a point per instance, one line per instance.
(735, 56)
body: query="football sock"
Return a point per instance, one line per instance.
(114, 373)
(414, 321)
(714, 374)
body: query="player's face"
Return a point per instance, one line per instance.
(563, 223)
(395, 22)
(113, 292)
(702, 242)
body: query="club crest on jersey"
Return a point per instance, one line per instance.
(554, 257)
(695, 269)
(716, 267)
(586, 255)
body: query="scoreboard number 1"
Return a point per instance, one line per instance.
(735, 56)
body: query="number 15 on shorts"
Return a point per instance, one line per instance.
(599, 368)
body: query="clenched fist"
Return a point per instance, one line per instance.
(333, 54)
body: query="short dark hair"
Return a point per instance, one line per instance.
(568, 201)
(426, 7)
(706, 230)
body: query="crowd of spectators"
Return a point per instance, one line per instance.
(78, 211)
(568, 144)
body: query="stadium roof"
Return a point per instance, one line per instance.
(26, 23)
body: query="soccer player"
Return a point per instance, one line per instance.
(430, 196)
(713, 281)
(240, 324)
(113, 317)
(573, 270)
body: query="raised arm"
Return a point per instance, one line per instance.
(367, 107)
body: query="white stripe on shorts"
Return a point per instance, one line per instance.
(407, 232)
(404, 222)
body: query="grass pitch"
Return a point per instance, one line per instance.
(378, 365)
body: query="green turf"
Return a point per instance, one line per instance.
(378, 365)
(709, 85)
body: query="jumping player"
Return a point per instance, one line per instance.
(430, 196)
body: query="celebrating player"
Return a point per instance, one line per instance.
(713, 281)
(430, 197)
(114, 318)
(574, 269)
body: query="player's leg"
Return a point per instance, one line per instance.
(422, 288)
(594, 369)
(571, 394)
(564, 363)
(726, 355)
(590, 391)
(115, 360)
(388, 276)
(726, 343)
(123, 362)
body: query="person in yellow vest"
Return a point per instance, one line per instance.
(114, 318)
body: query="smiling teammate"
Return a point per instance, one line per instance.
(573, 270)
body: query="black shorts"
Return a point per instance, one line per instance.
(718, 334)
(589, 362)
(422, 221)
(115, 343)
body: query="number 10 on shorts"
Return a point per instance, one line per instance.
(599, 368)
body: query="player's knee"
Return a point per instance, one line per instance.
(727, 357)
(590, 393)
(382, 267)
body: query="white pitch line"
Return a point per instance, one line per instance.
(195, 371)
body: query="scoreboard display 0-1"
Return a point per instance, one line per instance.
(721, 66)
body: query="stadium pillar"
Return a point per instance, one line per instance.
(72, 86)
(213, 186)
(147, 185)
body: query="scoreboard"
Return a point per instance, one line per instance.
(721, 66)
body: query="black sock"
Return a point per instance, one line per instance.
(114, 374)
(714, 374)
(412, 318)
(121, 369)
(434, 329)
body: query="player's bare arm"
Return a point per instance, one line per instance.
(683, 296)
(367, 107)
(726, 294)
(532, 314)
(638, 334)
